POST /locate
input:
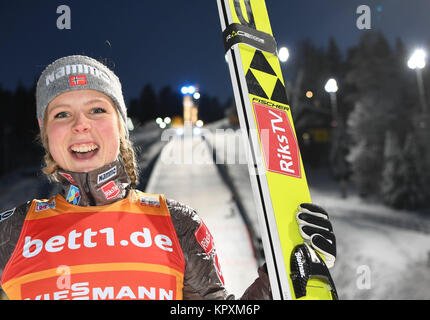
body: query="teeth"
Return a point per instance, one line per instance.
(84, 148)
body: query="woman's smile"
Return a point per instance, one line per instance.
(84, 151)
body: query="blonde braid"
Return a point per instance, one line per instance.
(128, 155)
(50, 167)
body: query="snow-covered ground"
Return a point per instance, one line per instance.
(382, 253)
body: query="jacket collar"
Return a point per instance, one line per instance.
(99, 187)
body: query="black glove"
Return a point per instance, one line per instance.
(317, 231)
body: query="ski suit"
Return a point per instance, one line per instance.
(95, 240)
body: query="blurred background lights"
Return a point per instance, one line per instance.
(197, 131)
(188, 90)
(283, 54)
(180, 131)
(331, 86)
(418, 59)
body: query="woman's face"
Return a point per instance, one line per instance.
(83, 130)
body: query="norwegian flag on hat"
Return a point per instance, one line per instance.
(79, 80)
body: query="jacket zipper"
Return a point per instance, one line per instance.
(87, 191)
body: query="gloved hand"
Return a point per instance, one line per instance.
(317, 231)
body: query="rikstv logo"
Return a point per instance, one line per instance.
(279, 143)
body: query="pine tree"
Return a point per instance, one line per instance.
(392, 175)
(169, 102)
(373, 75)
(405, 185)
(149, 103)
(421, 129)
(334, 59)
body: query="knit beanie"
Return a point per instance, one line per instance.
(77, 73)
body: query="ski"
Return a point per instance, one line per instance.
(276, 170)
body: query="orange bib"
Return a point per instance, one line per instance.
(123, 250)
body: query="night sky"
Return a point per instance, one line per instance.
(176, 42)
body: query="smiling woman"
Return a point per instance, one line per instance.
(83, 127)
(116, 241)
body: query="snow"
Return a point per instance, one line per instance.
(392, 245)
(382, 253)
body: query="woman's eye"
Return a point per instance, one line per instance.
(98, 110)
(61, 115)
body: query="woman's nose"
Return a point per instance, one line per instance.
(81, 124)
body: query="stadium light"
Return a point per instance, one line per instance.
(283, 54)
(417, 59)
(331, 86)
(188, 90)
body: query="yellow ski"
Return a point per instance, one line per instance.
(276, 169)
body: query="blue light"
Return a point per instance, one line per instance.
(191, 89)
(188, 90)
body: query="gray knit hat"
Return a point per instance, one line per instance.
(77, 73)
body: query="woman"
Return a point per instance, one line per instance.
(100, 237)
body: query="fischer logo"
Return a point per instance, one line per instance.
(90, 239)
(76, 68)
(280, 147)
(84, 291)
(271, 104)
